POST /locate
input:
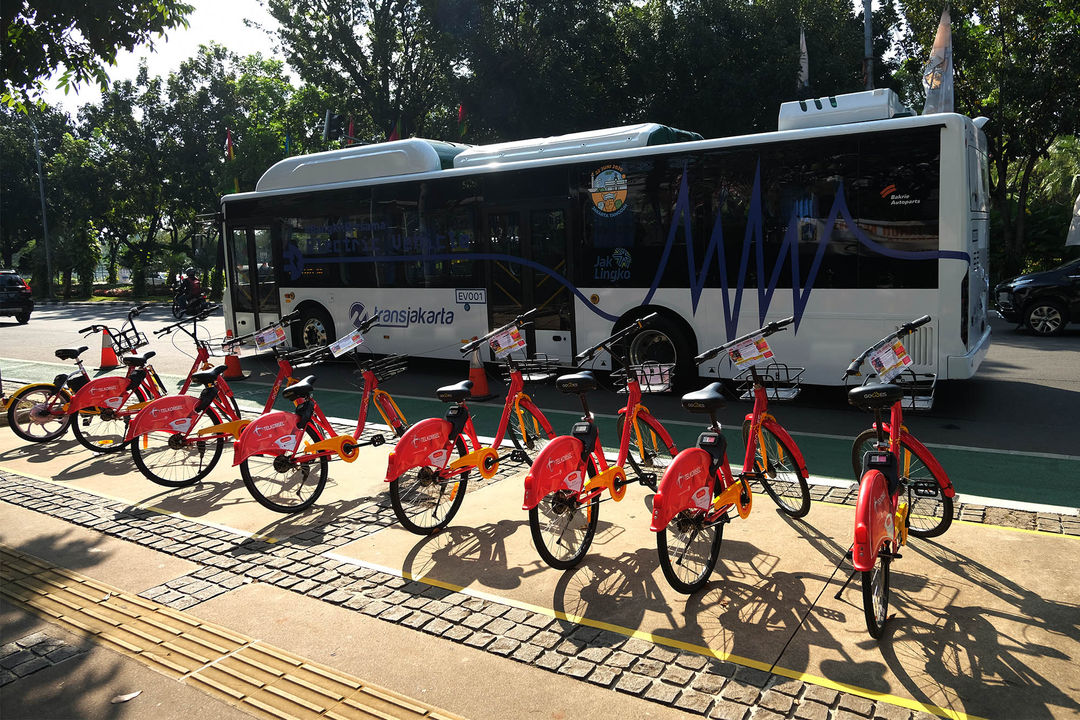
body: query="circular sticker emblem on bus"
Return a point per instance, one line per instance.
(608, 190)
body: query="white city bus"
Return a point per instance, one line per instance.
(854, 217)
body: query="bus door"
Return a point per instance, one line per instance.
(252, 279)
(536, 239)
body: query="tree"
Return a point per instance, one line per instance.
(1015, 64)
(74, 201)
(382, 61)
(43, 36)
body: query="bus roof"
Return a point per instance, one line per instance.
(362, 162)
(592, 141)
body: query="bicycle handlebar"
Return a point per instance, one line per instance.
(765, 331)
(906, 328)
(283, 321)
(519, 321)
(589, 353)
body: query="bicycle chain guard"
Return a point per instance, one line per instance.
(486, 460)
(613, 479)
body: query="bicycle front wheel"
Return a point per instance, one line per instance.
(423, 501)
(930, 511)
(170, 460)
(563, 527)
(530, 432)
(281, 483)
(649, 453)
(688, 549)
(875, 594)
(779, 473)
(30, 414)
(104, 429)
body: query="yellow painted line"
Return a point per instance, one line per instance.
(214, 659)
(661, 640)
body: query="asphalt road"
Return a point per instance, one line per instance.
(1023, 405)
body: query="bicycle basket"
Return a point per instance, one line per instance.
(126, 341)
(389, 366)
(537, 369)
(918, 388)
(781, 381)
(653, 377)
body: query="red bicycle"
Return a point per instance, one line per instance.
(887, 487)
(426, 500)
(698, 492)
(282, 470)
(178, 439)
(563, 488)
(37, 412)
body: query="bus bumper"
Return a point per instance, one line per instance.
(964, 366)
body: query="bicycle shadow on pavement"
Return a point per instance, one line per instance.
(194, 501)
(466, 556)
(38, 453)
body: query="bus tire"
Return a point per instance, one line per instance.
(315, 329)
(663, 340)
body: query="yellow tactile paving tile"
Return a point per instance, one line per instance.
(257, 677)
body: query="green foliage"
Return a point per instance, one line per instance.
(76, 39)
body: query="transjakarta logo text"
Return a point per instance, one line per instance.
(409, 316)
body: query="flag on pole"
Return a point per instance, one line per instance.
(288, 145)
(938, 72)
(804, 62)
(461, 120)
(395, 134)
(351, 133)
(230, 157)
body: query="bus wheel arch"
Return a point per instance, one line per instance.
(666, 338)
(315, 327)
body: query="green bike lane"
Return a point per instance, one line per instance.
(980, 474)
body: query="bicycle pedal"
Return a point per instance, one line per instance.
(649, 481)
(891, 556)
(377, 439)
(519, 456)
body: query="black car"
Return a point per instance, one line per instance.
(1044, 301)
(15, 297)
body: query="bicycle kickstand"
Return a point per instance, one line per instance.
(847, 556)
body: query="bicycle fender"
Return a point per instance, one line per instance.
(874, 520)
(685, 484)
(925, 456)
(171, 414)
(559, 465)
(102, 392)
(422, 445)
(769, 423)
(274, 433)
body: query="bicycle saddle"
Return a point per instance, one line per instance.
(208, 377)
(455, 393)
(70, 353)
(139, 359)
(706, 400)
(581, 382)
(875, 396)
(300, 390)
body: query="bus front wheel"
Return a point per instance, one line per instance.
(315, 328)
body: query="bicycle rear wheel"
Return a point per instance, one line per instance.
(875, 593)
(563, 527)
(783, 479)
(648, 456)
(104, 429)
(166, 459)
(688, 548)
(930, 511)
(281, 483)
(423, 501)
(27, 415)
(530, 432)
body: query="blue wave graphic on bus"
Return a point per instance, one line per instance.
(294, 259)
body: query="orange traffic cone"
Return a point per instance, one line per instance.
(479, 378)
(109, 361)
(233, 371)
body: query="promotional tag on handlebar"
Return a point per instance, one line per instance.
(269, 338)
(507, 342)
(750, 352)
(889, 361)
(346, 343)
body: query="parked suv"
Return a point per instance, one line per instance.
(15, 297)
(1044, 301)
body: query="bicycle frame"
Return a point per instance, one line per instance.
(112, 392)
(759, 418)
